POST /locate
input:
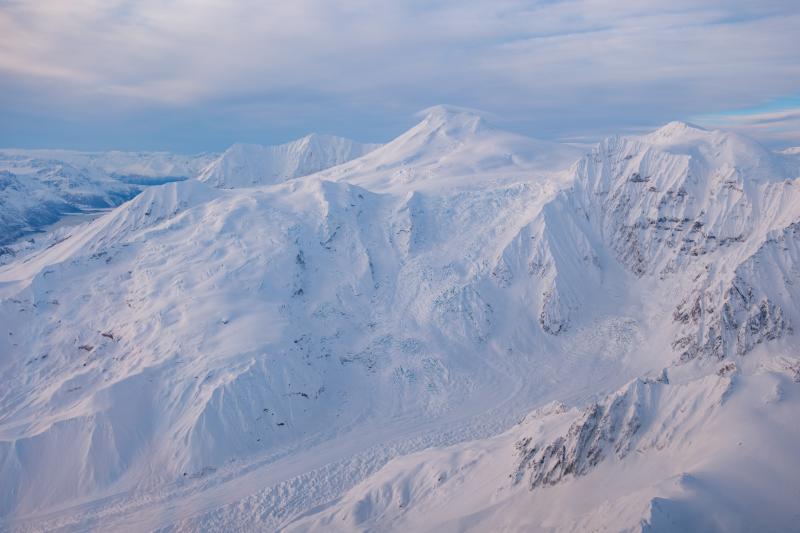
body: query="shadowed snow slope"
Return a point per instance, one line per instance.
(249, 165)
(351, 349)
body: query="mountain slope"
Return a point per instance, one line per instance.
(668, 455)
(248, 165)
(448, 147)
(708, 219)
(279, 316)
(249, 356)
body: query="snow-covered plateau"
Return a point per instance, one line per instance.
(461, 329)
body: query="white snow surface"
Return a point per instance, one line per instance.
(249, 165)
(463, 329)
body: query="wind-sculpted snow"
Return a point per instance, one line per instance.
(270, 356)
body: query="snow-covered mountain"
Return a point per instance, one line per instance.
(144, 167)
(703, 453)
(39, 187)
(249, 165)
(42, 194)
(707, 219)
(355, 348)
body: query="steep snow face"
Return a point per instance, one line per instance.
(730, 312)
(712, 212)
(250, 356)
(249, 165)
(684, 192)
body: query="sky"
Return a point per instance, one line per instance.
(199, 75)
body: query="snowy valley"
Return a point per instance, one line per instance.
(461, 329)
(38, 188)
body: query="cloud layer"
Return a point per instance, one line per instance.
(779, 127)
(199, 74)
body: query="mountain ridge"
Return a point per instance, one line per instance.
(247, 165)
(205, 343)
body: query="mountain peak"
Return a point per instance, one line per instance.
(314, 137)
(447, 110)
(247, 165)
(452, 120)
(678, 128)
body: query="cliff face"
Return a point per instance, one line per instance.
(643, 415)
(712, 213)
(756, 302)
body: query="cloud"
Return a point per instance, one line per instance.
(554, 68)
(777, 128)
